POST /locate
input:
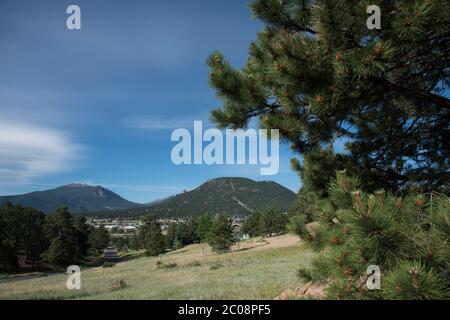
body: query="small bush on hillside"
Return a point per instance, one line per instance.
(161, 265)
(107, 264)
(118, 285)
(216, 266)
(194, 263)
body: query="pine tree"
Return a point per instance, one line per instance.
(34, 240)
(187, 232)
(61, 233)
(272, 222)
(204, 224)
(11, 236)
(151, 236)
(280, 222)
(251, 224)
(318, 74)
(171, 233)
(8, 250)
(404, 236)
(221, 237)
(58, 254)
(83, 231)
(98, 241)
(135, 243)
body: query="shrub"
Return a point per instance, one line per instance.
(161, 265)
(194, 263)
(118, 285)
(216, 266)
(170, 265)
(107, 264)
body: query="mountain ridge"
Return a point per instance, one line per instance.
(235, 195)
(78, 197)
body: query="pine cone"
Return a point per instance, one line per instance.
(420, 202)
(335, 240)
(378, 49)
(348, 272)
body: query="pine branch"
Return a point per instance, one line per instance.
(258, 111)
(429, 97)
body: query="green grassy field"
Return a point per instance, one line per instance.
(254, 269)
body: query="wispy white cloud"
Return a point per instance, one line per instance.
(28, 151)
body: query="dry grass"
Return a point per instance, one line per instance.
(254, 269)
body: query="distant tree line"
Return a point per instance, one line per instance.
(56, 240)
(268, 223)
(216, 231)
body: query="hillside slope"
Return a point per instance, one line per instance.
(237, 196)
(255, 269)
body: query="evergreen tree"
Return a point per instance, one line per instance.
(405, 236)
(279, 223)
(177, 243)
(251, 224)
(61, 233)
(221, 237)
(83, 232)
(171, 234)
(98, 240)
(59, 254)
(151, 236)
(318, 74)
(266, 224)
(316, 172)
(11, 217)
(34, 240)
(8, 255)
(134, 242)
(8, 250)
(204, 224)
(122, 243)
(187, 232)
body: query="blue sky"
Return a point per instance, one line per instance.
(98, 105)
